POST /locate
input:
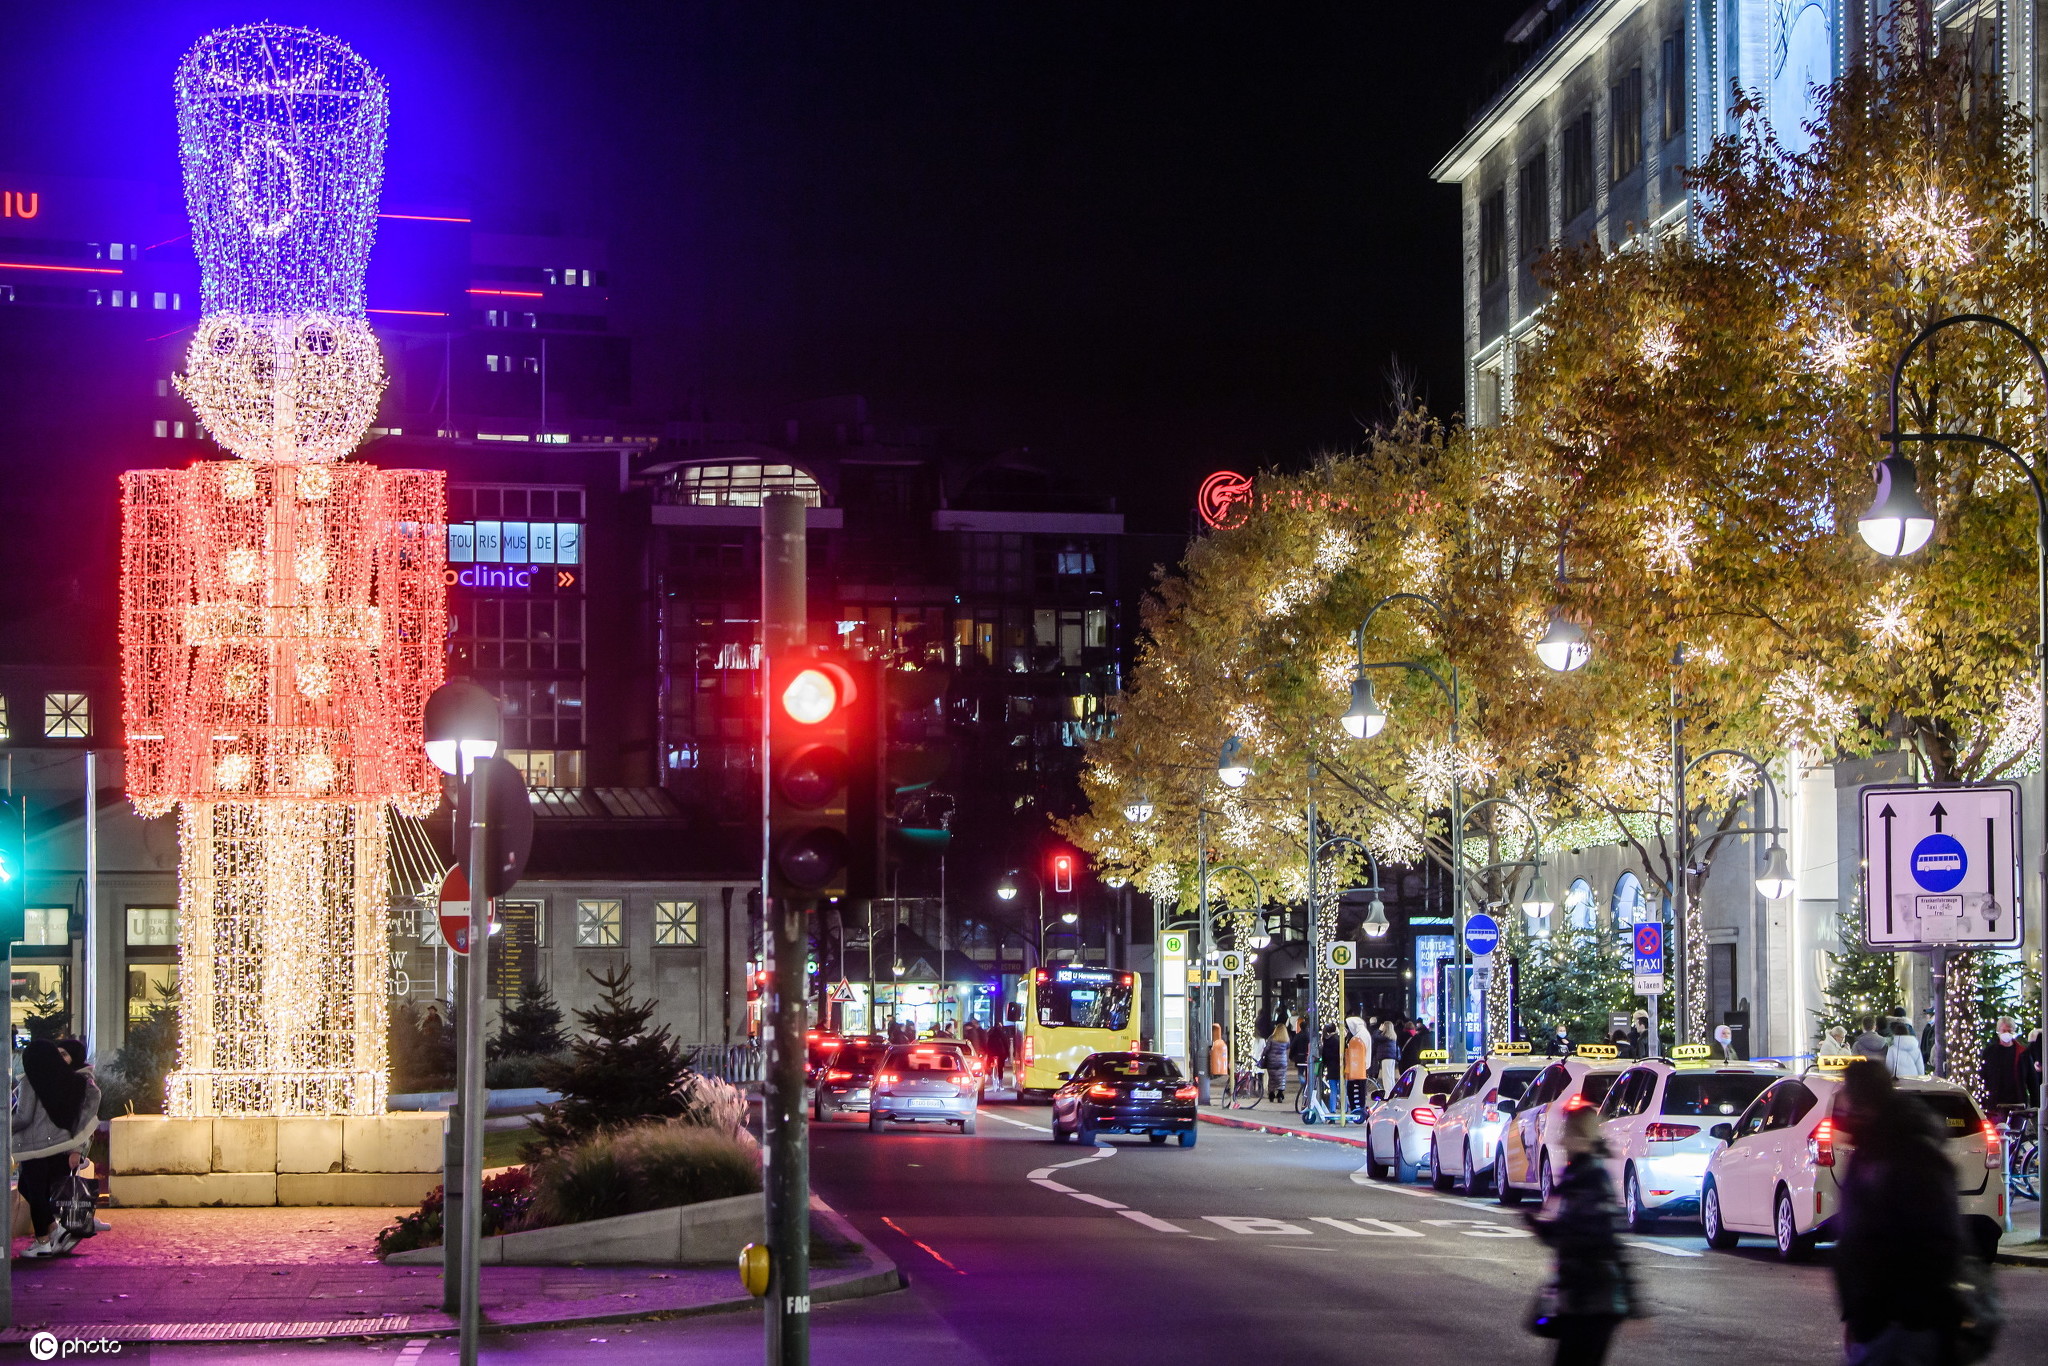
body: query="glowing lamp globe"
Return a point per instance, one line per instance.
(1775, 881)
(461, 727)
(1231, 770)
(1376, 926)
(1366, 718)
(1564, 647)
(1898, 523)
(1537, 901)
(1007, 888)
(1139, 811)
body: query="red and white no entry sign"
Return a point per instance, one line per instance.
(454, 914)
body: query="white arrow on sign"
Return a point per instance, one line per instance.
(1941, 867)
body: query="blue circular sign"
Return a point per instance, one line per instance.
(1939, 863)
(1482, 936)
(1649, 941)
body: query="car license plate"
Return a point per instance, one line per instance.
(924, 1103)
(1145, 1093)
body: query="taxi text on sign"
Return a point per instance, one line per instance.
(1941, 866)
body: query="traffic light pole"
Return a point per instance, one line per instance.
(787, 1184)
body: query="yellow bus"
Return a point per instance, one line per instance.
(1065, 1012)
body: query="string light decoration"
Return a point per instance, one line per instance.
(282, 614)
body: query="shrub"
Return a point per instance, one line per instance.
(134, 1082)
(645, 1167)
(713, 1104)
(422, 1049)
(508, 1197)
(621, 1073)
(517, 1071)
(531, 1026)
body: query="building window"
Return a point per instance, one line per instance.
(1673, 91)
(675, 923)
(67, 716)
(1580, 905)
(1576, 164)
(1493, 238)
(497, 364)
(742, 486)
(1074, 559)
(151, 986)
(47, 925)
(548, 767)
(597, 923)
(1486, 393)
(153, 926)
(1625, 135)
(1532, 204)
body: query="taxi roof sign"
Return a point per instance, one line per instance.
(1511, 1045)
(1597, 1050)
(1835, 1062)
(1692, 1052)
(1433, 1055)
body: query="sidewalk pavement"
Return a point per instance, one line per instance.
(209, 1275)
(2021, 1245)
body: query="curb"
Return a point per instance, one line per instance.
(2035, 1256)
(882, 1277)
(1232, 1122)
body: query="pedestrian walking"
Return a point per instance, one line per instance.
(1331, 1061)
(999, 1051)
(1640, 1044)
(1927, 1035)
(77, 1057)
(1833, 1042)
(55, 1112)
(1591, 1291)
(1297, 1052)
(1386, 1050)
(1274, 1060)
(1899, 1241)
(1357, 1066)
(1902, 1052)
(1869, 1044)
(2008, 1077)
(1414, 1043)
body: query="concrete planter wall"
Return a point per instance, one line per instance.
(390, 1159)
(711, 1232)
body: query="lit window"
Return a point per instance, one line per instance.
(161, 427)
(597, 924)
(153, 926)
(46, 925)
(675, 922)
(530, 364)
(178, 429)
(163, 388)
(741, 486)
(177, 300)
(114, 251)
(67, 716)
(151, 986)
(6, 723)
(160, 299)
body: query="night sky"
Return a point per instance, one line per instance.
(1143, 240)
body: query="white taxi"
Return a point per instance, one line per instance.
(1468, 1131)
(1397, 1128)
(1657, 1122)
(1777, 1175)
(1530, 1148)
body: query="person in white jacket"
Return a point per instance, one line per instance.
(55, 1112)
(1902, 1052)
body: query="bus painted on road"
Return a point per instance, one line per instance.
(1067, 1012)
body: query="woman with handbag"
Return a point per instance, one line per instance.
(1591, 1293)
(55, 1113)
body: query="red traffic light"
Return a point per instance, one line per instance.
(819, 689)
(1063, 872)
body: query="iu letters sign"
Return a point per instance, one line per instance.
(1941, 867)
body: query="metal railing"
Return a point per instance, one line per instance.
(738, 1063)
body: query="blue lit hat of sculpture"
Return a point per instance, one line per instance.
(281, 139)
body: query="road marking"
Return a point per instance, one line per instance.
(1098, 1155)
(1156, 1225)
(928, 1248)
(1038, 1175)
(1480, 1228)
(1095, 1200)
(1237, 1223)
(414, 1347)
(1052, 1185)
(1022, 1124)
(1664, 1248)
(1380, 1228)
(1303, 1247)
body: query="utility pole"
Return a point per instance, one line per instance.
(787, 1187)
(1681, 826)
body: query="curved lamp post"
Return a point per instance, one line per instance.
(1899, 523)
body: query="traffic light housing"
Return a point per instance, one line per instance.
(1063, 872)
(13, 868)
(824, 776)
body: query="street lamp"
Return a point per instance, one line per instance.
(1376, 925)
(1139, 811)
(1231, 769)
(460, 730)
(1564, 647)
(1366, 718)
(1006, 889)
(1898, 502)
(1775, 881)
(1069, 917)
(1537, 901)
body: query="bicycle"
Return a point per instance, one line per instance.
(2022, 1152)
(1247, 1088)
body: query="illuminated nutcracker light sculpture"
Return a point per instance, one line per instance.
(283, 612)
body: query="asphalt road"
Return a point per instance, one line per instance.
(1246, 1248)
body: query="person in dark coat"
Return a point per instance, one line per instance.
(1415, 1040)
(2010, 1076)
(1331, 1068)
(1561, 1043)
(997, 1043)
(1297, 1050)
(1899, 1239)
(1640, 1045)
(1582, 1223)
(1274, 1059)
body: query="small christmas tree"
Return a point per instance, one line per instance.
(1860, 983)
(531, 1027)
(621, 1072)
(1577, 978)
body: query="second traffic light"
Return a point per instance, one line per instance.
(1063, 872)
(824, 776)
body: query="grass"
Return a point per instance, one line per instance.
(501, 1146)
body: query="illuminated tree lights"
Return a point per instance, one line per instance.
(282, 618)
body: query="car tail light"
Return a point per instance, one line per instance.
(1992, 1144)
(886, 1079)
(1669, 1133)
(1102, 1091)
(1185, 1093)
(1576, 1102)
(967, 1081)
(1030, 1050)
(838, 1074)
(1820, 1149)
(1424, 1115)
(1491, 1096)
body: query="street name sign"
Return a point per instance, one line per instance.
(1482, 935)
(1941, 867)
(1647, 941)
